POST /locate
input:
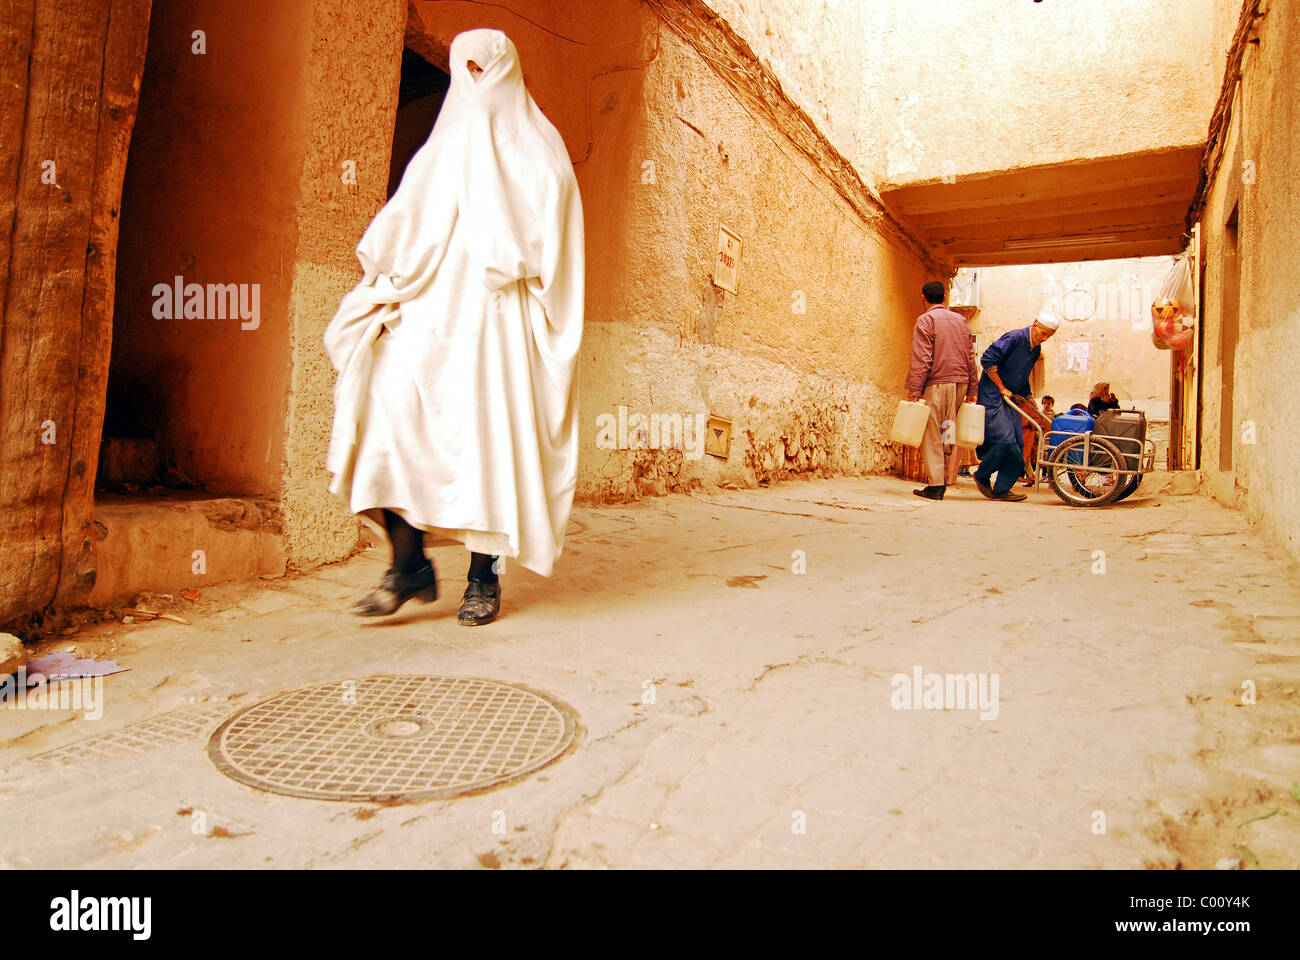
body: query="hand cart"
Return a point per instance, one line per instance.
(1089, 469)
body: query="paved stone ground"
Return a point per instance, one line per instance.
(771, 740)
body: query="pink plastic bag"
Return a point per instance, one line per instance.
(1173, 316)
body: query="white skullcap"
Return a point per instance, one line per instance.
(1049, 320)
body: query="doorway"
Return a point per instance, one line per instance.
(1230, 301)
(199, 372)
(419, 101)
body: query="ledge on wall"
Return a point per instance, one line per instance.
(168, 544)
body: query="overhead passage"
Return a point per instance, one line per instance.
(1112, 208)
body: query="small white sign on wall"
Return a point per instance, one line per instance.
(726, 266)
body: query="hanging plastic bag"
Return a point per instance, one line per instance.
(1173, 312)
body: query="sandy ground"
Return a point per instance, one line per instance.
(733, 661)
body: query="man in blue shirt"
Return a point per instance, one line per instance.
(1007, 365)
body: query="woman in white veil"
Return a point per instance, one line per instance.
(456, 409)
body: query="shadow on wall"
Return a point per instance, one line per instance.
(200, 356)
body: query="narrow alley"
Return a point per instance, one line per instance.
(567, 435)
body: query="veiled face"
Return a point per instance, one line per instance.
(483, 59)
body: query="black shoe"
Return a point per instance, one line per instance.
(1010, 495)
(983, 487)
(481, 603)
(395, 589)
(932, 492)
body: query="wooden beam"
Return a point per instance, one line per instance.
(1108, 251)
(1160, 217)
(1082, 204)
(1144, 171)
(69, 98)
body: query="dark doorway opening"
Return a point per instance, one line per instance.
(1230, 301)
(423, 90)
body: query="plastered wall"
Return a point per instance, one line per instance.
(806, 359)
(353, 71)
(913, 91)
(1260, 176)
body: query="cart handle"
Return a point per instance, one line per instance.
(1028, 416)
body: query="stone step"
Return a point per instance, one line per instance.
(164, 545)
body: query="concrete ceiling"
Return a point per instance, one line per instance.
(1129, 206)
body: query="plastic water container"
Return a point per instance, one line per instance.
(1072, 421)
(909, 422)
(1126, 429)
(970, 425)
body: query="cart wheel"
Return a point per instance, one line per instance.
(1129, 488)
(1079, 486)
(1128, 482)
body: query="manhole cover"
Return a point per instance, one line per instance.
(387, 738)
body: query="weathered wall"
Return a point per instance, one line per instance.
(1112, 299)
(1265, 127)
(916, 91)
(210, 196)
(69, 82)
(807, 359)
(352, 76)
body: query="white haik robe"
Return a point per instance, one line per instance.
(463, 416)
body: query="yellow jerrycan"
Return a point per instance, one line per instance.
(909, 423)
(970, 425)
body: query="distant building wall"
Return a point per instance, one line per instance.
(1105, 333)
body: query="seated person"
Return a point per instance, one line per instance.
(1102, 399)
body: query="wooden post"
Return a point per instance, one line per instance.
(68, 97)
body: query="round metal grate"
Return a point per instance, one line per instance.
(392, 738)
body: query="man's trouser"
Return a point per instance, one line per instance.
(943, 399)
(1007, 460)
